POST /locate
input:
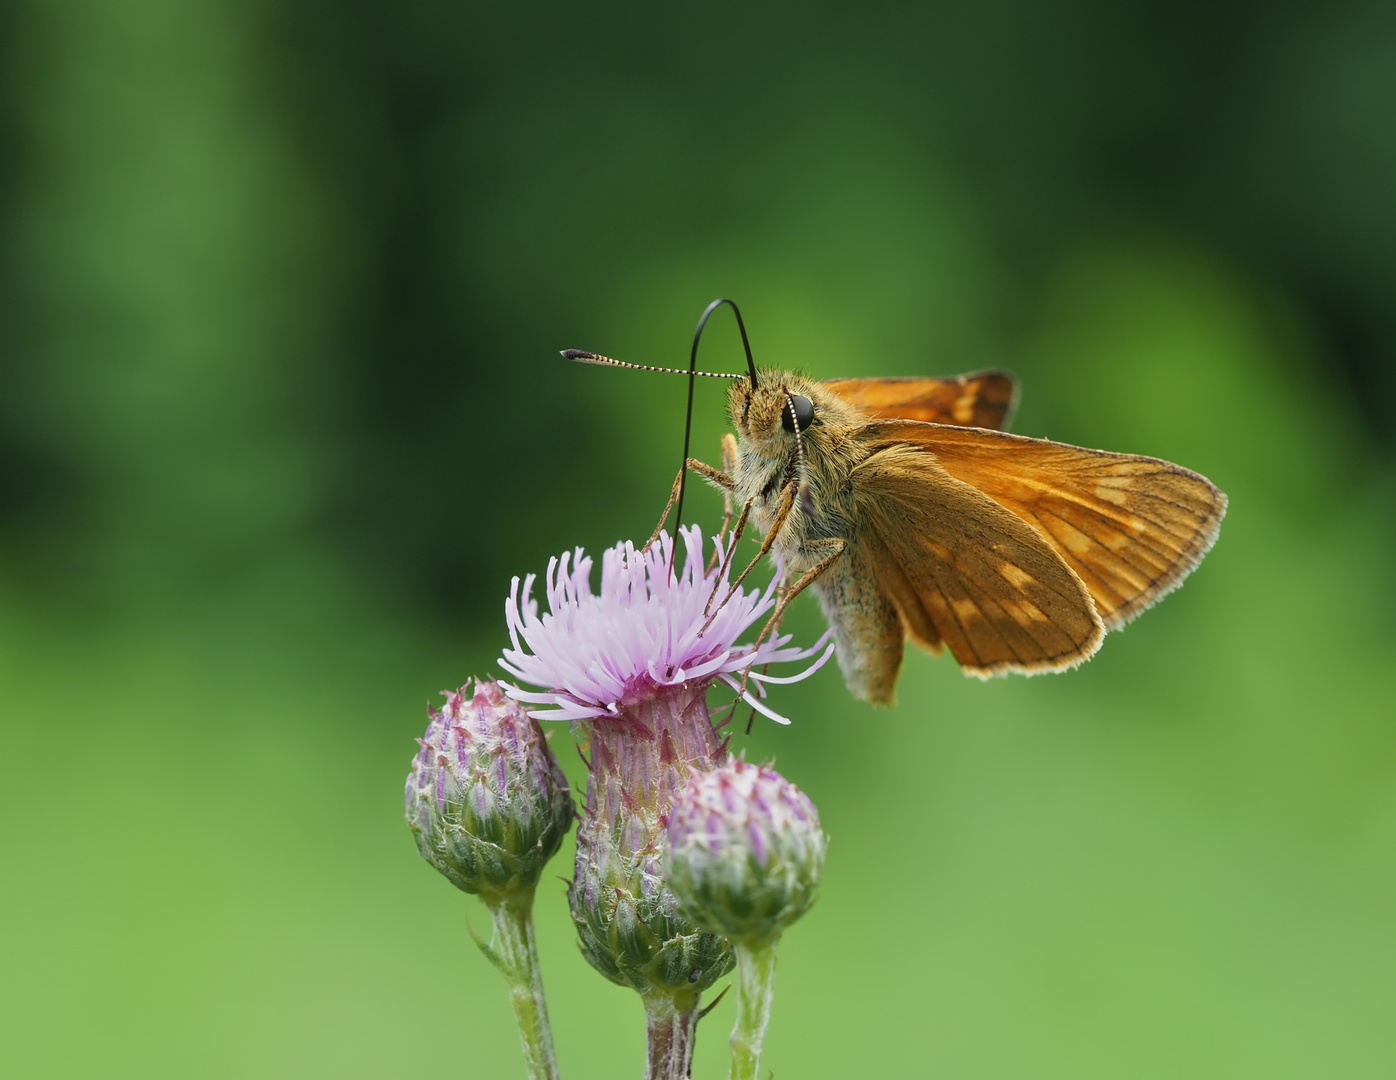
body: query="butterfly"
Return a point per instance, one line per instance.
(902, 505)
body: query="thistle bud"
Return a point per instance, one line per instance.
(486, 801)
(629, 924)
(745, 851)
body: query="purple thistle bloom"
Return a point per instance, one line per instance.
(595, 655)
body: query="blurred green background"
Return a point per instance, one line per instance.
(281, 412)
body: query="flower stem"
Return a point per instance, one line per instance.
(756, 983)
(515, 953)
(670, 1026)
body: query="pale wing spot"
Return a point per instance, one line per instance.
(1016, 576)
(1114, 490)
(963, 409)
(1116, 541)
(966, 610)
(1101, 533)
(1074, 540)
(1024, 612)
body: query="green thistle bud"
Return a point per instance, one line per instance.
(745, 851)
(486, 801)
(629, 923)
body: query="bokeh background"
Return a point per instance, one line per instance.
(282, 287)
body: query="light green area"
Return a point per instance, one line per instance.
(756, 970)
(1176, 861)
(514, 952)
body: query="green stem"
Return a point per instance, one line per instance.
(670, 1025)
(515, 954)
(756, 983)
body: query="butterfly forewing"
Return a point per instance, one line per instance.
(1131, 527)
(963, 570)
(984, 399)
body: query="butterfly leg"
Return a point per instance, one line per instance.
(787, 504)
(707, 472)
(673, 498)
(713, 476)
(729, 466)
(829, 549)
(726, 566)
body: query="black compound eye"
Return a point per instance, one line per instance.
(804, 413)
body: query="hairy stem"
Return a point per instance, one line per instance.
(515, 953)
(756, 983)
(670, 1029)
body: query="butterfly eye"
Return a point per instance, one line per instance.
(803, 410)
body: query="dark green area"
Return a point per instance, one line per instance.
(281, 290)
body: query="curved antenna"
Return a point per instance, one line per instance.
(688, 421)
(703, 321)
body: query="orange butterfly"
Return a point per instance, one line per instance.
(910, 515)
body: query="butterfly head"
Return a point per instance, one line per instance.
(777, 412)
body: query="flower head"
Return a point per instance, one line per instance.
(630, 666)
(486, 800)
(648, 628)
(745, 851)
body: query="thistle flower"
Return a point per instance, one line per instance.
(486, 800)
(744, 858)
(644, 633)
(630, 667)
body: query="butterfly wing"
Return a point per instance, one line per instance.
(983, 399)
(1132, 528)
(964, 571)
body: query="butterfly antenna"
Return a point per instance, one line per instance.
(581, 356)
(806, 503)
(688, 422)
(746, 345)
